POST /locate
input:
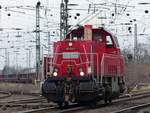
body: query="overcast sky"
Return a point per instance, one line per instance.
(21, 14)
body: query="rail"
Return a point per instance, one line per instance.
(5, 94)
(76, 107)
(133, 108)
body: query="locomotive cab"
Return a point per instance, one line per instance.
(86, 67)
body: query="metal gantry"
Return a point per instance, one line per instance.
(135, 42)
(38, 55)
(63, 18)
(6, 56)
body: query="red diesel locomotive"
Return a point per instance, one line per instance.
(87, 66)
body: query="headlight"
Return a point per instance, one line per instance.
(55, 74)
(81, 73)
(70, 44)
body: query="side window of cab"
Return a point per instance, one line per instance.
(109, 42)
(97, 36)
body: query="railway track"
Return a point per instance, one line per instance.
(28, 103)
(4, 94)
(129, 109)
(76, 107)
(23, 101)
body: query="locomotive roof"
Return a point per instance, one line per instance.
(79, 28)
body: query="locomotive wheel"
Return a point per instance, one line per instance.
(105, 100)
(110, 100)
(93, 104)
(60, 104)
(107, 94)
(66, 103)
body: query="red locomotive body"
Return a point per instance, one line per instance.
(86, 66)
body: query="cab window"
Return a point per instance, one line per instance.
(97, 36)
(109, 42)
(77, 36)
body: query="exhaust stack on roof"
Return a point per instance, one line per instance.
(88, 32)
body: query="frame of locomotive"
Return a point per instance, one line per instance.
(104, 80)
